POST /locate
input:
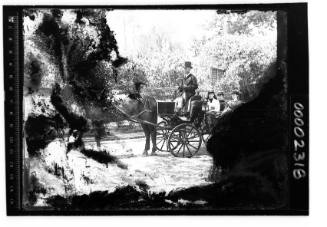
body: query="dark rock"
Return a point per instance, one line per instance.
(35, 188)
(253, 137)
(254, 127)
(41, 130)
(74, 121)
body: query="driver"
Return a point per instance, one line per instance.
(188, 86)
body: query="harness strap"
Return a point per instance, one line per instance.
(135, 119)
(139, 114)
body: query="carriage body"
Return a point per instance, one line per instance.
(166, 108)
(181, 136)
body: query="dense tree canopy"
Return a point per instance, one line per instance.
(82, 49)
(239, 45)
(84, 54)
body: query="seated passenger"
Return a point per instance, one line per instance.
(235, 102)
(221, 100)
(212, 103)
(213, 110)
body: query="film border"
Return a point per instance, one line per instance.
(297, 67)
(13, 80)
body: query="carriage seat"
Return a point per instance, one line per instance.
(194, 100)
(195, 107)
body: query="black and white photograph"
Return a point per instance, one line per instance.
(157, 110)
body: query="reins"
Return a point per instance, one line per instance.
(135, 118)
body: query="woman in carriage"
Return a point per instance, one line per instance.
(213, 109)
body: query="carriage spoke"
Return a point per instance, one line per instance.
(158, 144)
(194, 141)
(193, 137)
(189, 133)
(162, 145)
(188, 149)
(173, 146)
(179, 150)
(183, 149)
(193, 146)
(159, 139)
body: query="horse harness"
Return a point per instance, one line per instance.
(135, 118)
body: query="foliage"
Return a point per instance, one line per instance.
(241, 45)
(160, 59)
(128, 74)
(84, 50)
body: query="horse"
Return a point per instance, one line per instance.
(122, 107)
(143, 111)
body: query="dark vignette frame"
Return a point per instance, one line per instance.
(293, 50)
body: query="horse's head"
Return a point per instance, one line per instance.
(124, 102)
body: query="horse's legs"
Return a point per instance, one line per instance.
(154, 139)
(99, 132)
(147, 139)
(79, 142)
(97, 138)
(98, 142)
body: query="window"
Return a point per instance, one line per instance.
(214, 74)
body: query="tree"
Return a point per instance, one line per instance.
(160, 59)
(241, 44)
(84, 49)
(81, 50)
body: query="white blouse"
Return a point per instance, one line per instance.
(214, 105)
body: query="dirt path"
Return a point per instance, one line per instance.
(162, 172)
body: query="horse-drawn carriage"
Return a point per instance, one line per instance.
(181, 136)
(177, 133)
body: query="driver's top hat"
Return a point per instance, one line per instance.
(188, 64)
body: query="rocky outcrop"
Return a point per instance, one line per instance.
(252, 139)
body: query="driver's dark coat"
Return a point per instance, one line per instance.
(189, 85)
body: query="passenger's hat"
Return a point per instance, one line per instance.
(220, 93)
(188, 64)
(211, 91)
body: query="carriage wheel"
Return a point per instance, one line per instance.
(162, 136)
(184, 140)
(205, 138)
